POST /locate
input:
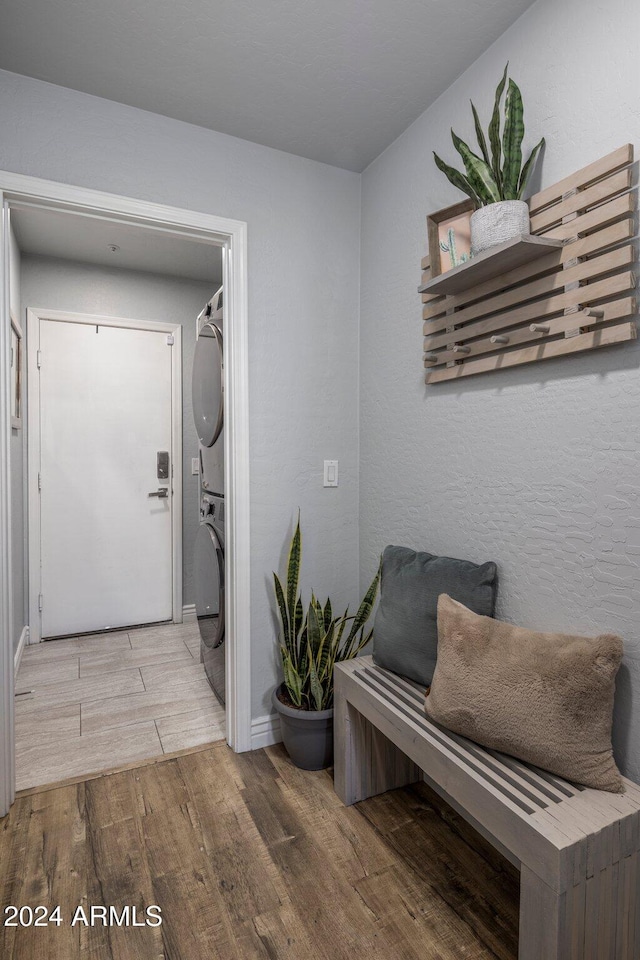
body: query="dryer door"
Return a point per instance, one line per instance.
(207, 384)
(209, 574)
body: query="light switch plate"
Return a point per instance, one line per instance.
(331, 473)
(195, 467)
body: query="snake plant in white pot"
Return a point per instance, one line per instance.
(496, 179)
(312, 641)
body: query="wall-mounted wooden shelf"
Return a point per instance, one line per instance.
(573, 294)
(491, 263)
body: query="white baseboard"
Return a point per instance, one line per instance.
(265, 731)
(23, 641)
(189, 613)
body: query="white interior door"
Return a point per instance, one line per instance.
(105, 413)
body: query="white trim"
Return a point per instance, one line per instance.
(238, 494)
(16, 324)
(265, 731)
(7, 684)
(176, 471)
(22, 190)
(33, 459)
(22, 642)
(34, 316)
(189, 613)
(16, 422)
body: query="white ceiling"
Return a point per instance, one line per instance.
(69, 236)
(333, 80)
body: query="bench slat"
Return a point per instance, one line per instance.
(528, 781)
(565, 788)
(533, 776)
(446, 741)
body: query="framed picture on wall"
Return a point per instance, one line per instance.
(16, 374)
(449, 234)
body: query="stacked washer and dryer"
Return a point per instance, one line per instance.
(209, 562)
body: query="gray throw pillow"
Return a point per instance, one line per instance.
(405, 632)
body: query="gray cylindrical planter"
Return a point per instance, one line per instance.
(306, 734)
(498, 222)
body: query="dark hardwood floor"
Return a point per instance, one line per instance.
(249, 857)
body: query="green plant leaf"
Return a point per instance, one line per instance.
(328, 615)
(320, 653)
(361, 617)
(297, 625)
(314, 683)
(456, 178)
(340, 627)
(512, 141)
(494, 132)
(313, 631)
(303, 666)
(482, 143)
(292, 679)
(327, 664)
(293, 568)
(528, 167)
(479, 173)
(325, 650)
(363, 641)
(282, 608)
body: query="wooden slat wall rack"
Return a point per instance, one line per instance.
(526, 300)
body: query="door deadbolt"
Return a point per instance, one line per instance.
(162, 460)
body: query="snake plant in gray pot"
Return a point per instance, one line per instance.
(496, 178)
(312, 640)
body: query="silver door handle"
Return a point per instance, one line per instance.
(162, 493)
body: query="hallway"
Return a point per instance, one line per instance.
(97, 702)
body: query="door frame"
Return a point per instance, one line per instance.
(7, 680)
(231, 236)
(34, 316)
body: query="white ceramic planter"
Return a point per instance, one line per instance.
(498, 222)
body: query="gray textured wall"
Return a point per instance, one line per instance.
(82, 288)
(303, 234)
(538, 467)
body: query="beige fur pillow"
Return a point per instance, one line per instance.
(546, 698)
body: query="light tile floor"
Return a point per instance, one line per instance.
(91, 703)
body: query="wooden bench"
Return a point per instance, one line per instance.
(577, 848)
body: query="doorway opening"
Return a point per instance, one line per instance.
(92, 211)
